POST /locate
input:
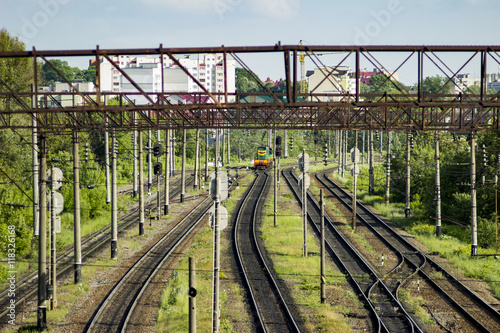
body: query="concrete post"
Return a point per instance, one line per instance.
(42, 239)
(76, 211)
(438, 186)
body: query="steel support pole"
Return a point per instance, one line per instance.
(76, 211)
(206, 154)
(183, 172)
(438, 186)
(381, 143)
(158, 180)
(150, 162)
(134, 158)
(363, 149)
(473, 204)
(53, 278)
(304, 204)
(172, 166)
(192, 299)
(341, 146)
(107, 166)
(388, 169)
(344, 155)
(354, 183)
(42, 239)
(323, 271)
(408, 174)
(114, 199)
(223, 154)
(371, 171)
(228, 147)
(36, 179)
(167, 173)
(496, 207)
(216, 254)
(196, 159)
(275, 169)
(141, 184)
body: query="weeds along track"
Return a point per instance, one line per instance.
(481, 316)
(386, 312)
(272, 314)
(91, 243)
(115, 311)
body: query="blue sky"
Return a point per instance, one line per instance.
(77, 24)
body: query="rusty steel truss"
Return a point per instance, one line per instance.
(342, 109)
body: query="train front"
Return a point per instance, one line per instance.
(263, 158)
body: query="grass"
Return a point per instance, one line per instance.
(70, 292)
(457, 252)
(285, 244)
(173, 313)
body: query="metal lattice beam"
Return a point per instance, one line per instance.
(343, 109)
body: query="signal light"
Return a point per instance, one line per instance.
(278, 151)
(316, 141)
(278, 140)
(485, 157)
(157, 150)
(325, 154)
(157, 168)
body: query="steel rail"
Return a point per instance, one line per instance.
(90, 244)
(157, 268)
(93, 322)
(410, 252)
(287, 314)
(393, 309)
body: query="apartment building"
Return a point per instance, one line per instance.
(207, 69)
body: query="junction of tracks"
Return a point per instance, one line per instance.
(464, 112)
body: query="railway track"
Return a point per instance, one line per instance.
(269, 306)
(386, 312)
(481, 316)
(115, 311)
(28, 286)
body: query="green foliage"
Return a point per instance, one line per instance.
(65, 72)
(382, 84)
(50, 75)
(245, 82)
(436, 85)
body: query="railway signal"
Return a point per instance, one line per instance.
(485, 157)
(291, 142)
(157, 168)
(278, 151)
(325, 150)
(157, 150)
(87, 152)
(278, 140)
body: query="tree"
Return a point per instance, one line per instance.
(436, 85)
(17, 73)
(245, 82)
(89, 74)
(50, 76)
(381, 84)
